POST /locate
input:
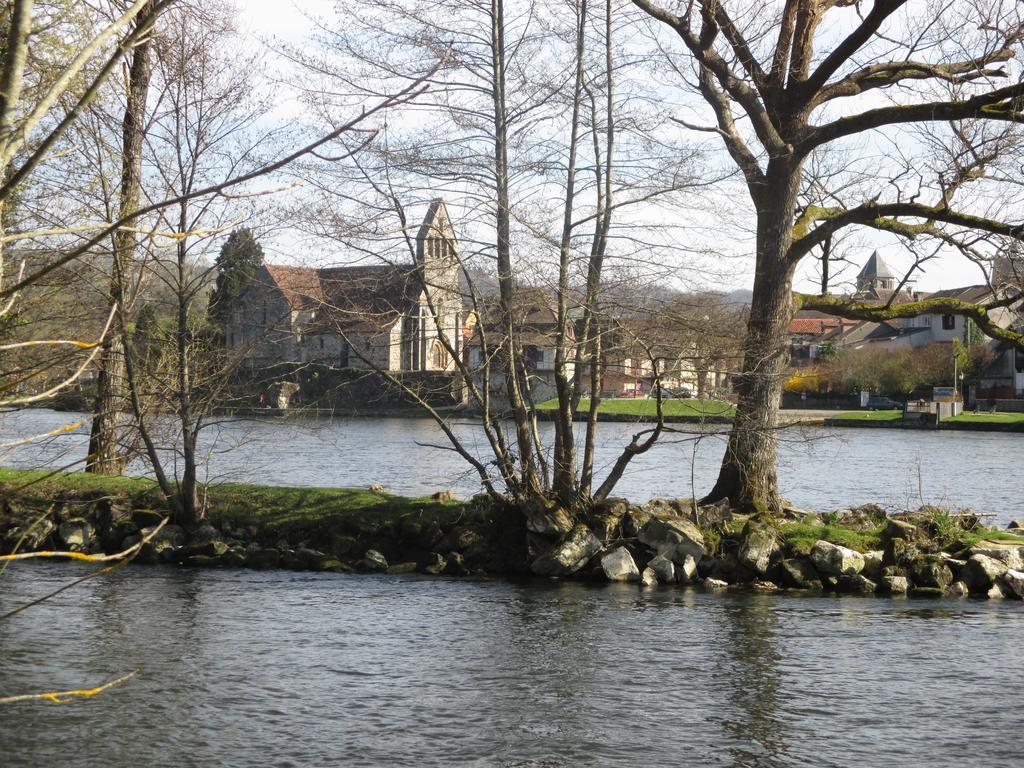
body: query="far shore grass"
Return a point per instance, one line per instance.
(963, 418)
(643, 407)
(869, 416)
(987, 418)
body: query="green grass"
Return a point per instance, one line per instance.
(869, 416)
(643, 407)
(801, 535)
(987, 418)
(291, 513)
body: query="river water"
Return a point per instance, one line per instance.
(240, 668)
(819, 468)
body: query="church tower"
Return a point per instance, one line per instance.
(436, 254)
(876, 277)
(437, 262)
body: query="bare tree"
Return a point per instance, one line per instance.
(106, 455)
(778, 88)
(529, 136)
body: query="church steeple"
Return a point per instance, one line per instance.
(436, 252)
(875, 276)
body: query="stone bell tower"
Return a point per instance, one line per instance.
(436, 253)
(438, 264)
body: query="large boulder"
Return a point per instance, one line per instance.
(800, 573)
(663, 568)
(981, 572)
(686, 571)
(262, 558)
(29, 537)
(161, 548)
(76, 535)
(665, 508)
(718, 513)
(547, 520)
(1014, 583)
(374, 562)
(873, 564)
(210, 548)
(834, 560)
(958, 589)
(205, 532)
(900, 541)
(569, 555)
(896, 585)
(633, 522)
(618, 565)
(864, 518)
(856, 583)
(145, 518)
(931, 571)
(758, 547)
(606, 519)
(674, 538)
(1008, 554)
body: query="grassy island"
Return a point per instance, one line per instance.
(929, 551)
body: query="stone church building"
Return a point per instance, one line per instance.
(387, 316)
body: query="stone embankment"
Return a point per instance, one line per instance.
(927, 552)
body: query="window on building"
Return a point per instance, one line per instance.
(948, 322)
(321, 342)
(439, 356)
(343, 358)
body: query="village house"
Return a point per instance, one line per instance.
(388, 317)
(1003, 378)
(812, 332)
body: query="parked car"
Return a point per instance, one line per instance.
(681, 392)
(632, 393)
(878, 403)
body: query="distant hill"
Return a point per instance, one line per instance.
(741, 296)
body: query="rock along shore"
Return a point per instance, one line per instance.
(924, 552)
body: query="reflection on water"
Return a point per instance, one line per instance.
(819, 469)
(749, 668)
(253, 669)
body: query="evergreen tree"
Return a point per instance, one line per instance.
(240, 257)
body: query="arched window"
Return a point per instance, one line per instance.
(439, 357)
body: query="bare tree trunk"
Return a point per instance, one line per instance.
(105, 454)
(514, 367)
(564, 475)
(599, 248)
(187, 487)
(748, 475)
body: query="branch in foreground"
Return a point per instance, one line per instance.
(119, 559)
(62, 697)
(859, 310)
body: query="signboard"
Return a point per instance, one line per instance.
(944, 394)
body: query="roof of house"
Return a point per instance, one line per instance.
(358, 298)
(875, 267)
(971, 293)
(300, 285)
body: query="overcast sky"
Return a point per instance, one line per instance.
(287, 21)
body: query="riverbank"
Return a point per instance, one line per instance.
(978, 422)
(641, 409)
(925, 552)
